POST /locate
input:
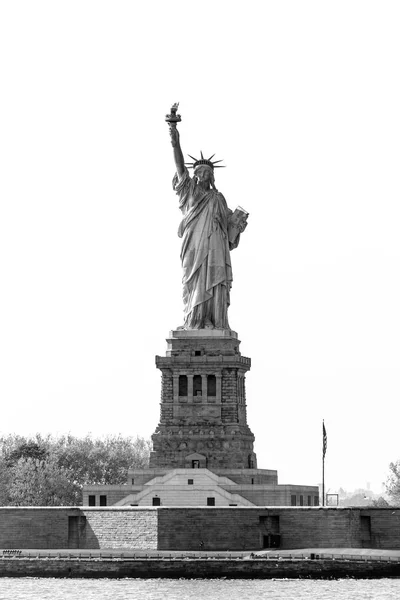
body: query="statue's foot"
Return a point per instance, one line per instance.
(208, 324)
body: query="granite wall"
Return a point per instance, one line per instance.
(185, 528)
(189, 569)
(62, 528)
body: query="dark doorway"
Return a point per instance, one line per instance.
(156, 501)
(76, 531)
(365, 528)
(271, 541)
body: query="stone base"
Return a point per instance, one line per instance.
(209, 342)
(203, 420)
(199, 333)
(213, 449)
(202, 487)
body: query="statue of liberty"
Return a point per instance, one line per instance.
(209, 230)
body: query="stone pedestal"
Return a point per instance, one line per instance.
(203, 420)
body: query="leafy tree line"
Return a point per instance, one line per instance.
(51, 471)
(393, 483)
(364, 497)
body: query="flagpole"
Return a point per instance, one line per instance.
(324, 445)
(323, 479)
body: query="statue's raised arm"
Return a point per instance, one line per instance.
(173, 119)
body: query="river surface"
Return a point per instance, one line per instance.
(197, 589)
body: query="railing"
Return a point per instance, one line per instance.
(328, 556)
(98, 556)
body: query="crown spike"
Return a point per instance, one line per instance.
(203, 161)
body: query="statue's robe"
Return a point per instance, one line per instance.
(206, 263)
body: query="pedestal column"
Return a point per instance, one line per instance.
(214, 428)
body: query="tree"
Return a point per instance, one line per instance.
(4, 482)
(51, 471)
(393, 482)
(25, 450)
(102, 461)
(38, 482)
(380, 502)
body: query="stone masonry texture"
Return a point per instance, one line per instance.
(199, 568)
(213, 426)
(184, 528)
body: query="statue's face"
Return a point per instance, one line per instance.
(203, 173)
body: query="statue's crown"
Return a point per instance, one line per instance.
(204, 161)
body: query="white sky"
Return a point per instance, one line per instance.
(301, 100)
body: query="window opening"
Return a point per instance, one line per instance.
(183, 385)
(197, 387)
(211, 385)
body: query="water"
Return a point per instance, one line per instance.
(198, 589)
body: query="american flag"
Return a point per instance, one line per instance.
(324, 440)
